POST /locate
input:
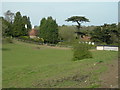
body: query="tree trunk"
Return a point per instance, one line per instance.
(79, 26)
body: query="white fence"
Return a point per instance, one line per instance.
(110, 48)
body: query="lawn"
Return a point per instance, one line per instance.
(35, 66)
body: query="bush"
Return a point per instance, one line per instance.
(24, 37)
(33, 40)
(81, 51)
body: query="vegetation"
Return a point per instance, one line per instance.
(108, 33)
(19, 25)
(7, 40)
(49, 30)
(46, 66)
(6, 27)
(39, 67)
(9, 16)
(67, 33)
(81, 51)
(16, 25)
(31, 40)
(78, 19)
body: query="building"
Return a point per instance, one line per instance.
(33, 33)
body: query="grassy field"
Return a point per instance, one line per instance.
(28, 65)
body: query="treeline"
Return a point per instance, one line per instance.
(19, 26)
(104, 34)
(16, 25)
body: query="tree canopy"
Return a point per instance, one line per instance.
(19, 25)
(6, 27)
(78, 19)
(108, 33)
(9, 16)
(49, 30)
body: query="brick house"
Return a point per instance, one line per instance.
(33, 33)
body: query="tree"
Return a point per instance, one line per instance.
(18, 26)
(9, 16)
(27, 23)
(108, 33)
(43, 28)
(6, 27)
(78, 19)
(67, 33)
(49, 30)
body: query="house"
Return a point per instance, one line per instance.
(86, 38)
(33, 33)
(82, 36)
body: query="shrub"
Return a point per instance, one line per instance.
(33, 40)
(81, 51)
(24, 37)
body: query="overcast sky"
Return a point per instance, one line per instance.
(97, 12)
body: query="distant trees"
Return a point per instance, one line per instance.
(108, 33)
(27, 24)
(9, 16)
(15, 25)
(49, 30)
(6, 27)
(78, 20)
(67, 33)
(19, 25)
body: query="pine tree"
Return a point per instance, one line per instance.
(26, 21)
(18, 25)
(6, 27)
(43, 29)
(49, 30)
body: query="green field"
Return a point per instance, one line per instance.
(28, 65)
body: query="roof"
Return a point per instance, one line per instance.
(33, 32)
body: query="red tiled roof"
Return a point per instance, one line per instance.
(33, 32)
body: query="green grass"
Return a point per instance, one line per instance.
(26, 66)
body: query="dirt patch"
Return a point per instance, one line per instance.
(54, 82)
(110, 77)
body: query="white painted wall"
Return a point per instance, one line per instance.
(109, 48)
(99, 47)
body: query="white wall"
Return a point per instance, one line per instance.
(112, 48)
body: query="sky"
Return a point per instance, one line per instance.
(97, 12)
